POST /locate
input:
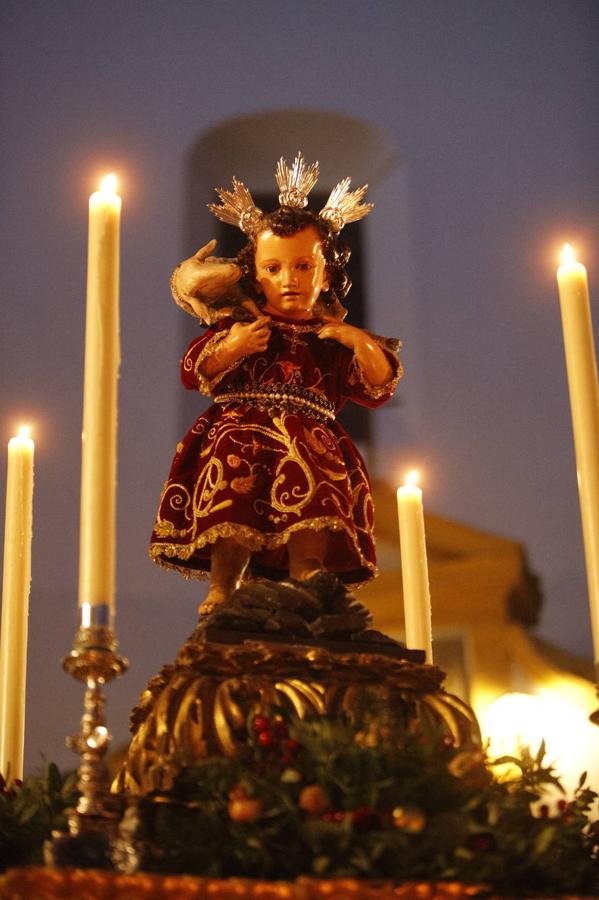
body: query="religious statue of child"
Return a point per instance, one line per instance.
(267, 484)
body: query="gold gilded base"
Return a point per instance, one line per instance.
(200, 705)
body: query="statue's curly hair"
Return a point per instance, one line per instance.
(286, 222)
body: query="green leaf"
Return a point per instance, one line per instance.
(54, 779)
(320, 865)
(29, 813)
(541, 753)
(544, 840)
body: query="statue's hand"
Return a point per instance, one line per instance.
(371, 359)
(246, 338)
(243, 339)
(348, 335)
(205, 276)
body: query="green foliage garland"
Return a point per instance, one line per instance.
(319, 798)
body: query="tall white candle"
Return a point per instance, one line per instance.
(581, 365)
(15, 603)
(414, 567)
(102, 359)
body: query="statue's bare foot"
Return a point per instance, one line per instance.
(213, 599)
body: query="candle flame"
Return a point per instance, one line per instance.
(412, 478)
(24, 431)
(568, 255)
(109, 184)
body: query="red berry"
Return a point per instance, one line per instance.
(543, 811)
(364, 817)
(360, 812)
(265, 739)
(328, 817)
(291, 746)
(339, 816)
(562, 806)
(261, 723)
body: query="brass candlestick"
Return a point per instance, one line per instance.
(93, 822)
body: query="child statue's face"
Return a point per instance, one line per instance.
(291, 272)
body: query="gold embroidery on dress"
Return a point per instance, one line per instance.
(287, 502)
(244, 484)
(207, 486)
(177, 498)
(282, 499)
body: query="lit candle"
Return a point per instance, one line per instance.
(581, 366)
(102, 358)
(15, 603)
(414, 567)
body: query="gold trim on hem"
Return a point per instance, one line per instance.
(254, 540)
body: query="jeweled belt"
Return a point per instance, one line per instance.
(275, 396)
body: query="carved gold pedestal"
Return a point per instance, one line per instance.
(200, 705)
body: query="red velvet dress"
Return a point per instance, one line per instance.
(268, 458)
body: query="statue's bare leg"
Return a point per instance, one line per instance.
(228, 562)
(306, 551)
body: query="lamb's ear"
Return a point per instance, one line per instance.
(206, 250)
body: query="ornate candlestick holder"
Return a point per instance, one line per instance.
(93, 822)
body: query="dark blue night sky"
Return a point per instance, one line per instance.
(491, 108)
